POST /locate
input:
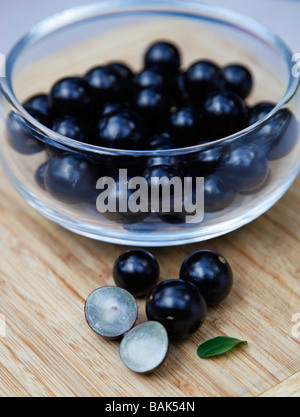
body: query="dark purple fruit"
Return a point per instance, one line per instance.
(178, 306)
(111, 311)
(210, 273)
(106, 84)
(122, 130)
(23, 139)
(245, 168)
(162, 194)
(202, 78)
(137, 271)
(183, 126)
(203, 162)
(71, 179)
(40, 175)
(149, 78)
(39, 103)
(123, 70)
(145, 347)
(153, 105)
(72, 97)
(114, 201)
(238, 79)
(277, 135)
(217, 194)
(161, 141)
(164, 57)
(71, 127)
(224, 113)
(114, 107)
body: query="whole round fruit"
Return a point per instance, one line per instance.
(145, 347)
(178, 306)
(217, 194)
(113, 201)
(72, 127)
(105, 83)
(153, 105)
(123, 70)
(70, 96)
(202, 78)
(111, 311)
(238, 79)
(163, 197)
(278, 134)
(224, 113)
(210, 273)
(122, 130)
(38, 103)
(245, 168)
(71, 179)
(137, 271)
(149, 79)
(21, 137)
(163, 56)
(183, 126)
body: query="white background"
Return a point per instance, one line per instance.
(18, 16)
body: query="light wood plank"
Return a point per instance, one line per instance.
(290, 387)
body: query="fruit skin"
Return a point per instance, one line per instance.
(106, 84)
(259, 111)
(122, 130)
(204, 162)
(20, 137)
(121, 194)
(202, 78)
(178, 306)
(71, 179)
(123, 70)
(137, 271)
(210, 273)
(161, 141)
(179, 92)
(217, 194)
(114, 107)
(278, 135)
(71, 96)
(183, 126)
(148, 78)
(71, 127)
(153, 105)
(245, 168)
(163, 56)
(238, 79)
(39, 103)
(40, 175)
(224, 113)
(157, 177)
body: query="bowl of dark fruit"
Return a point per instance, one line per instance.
(150, 123)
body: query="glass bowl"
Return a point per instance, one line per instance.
(230, 194)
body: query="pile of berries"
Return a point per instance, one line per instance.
(161, 108)
(175, 308)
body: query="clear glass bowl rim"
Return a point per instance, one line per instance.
(114, 7)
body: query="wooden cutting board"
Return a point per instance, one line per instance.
(46, 273)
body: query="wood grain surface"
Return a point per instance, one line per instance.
(46, 273)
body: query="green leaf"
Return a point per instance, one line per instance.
(217, 346)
